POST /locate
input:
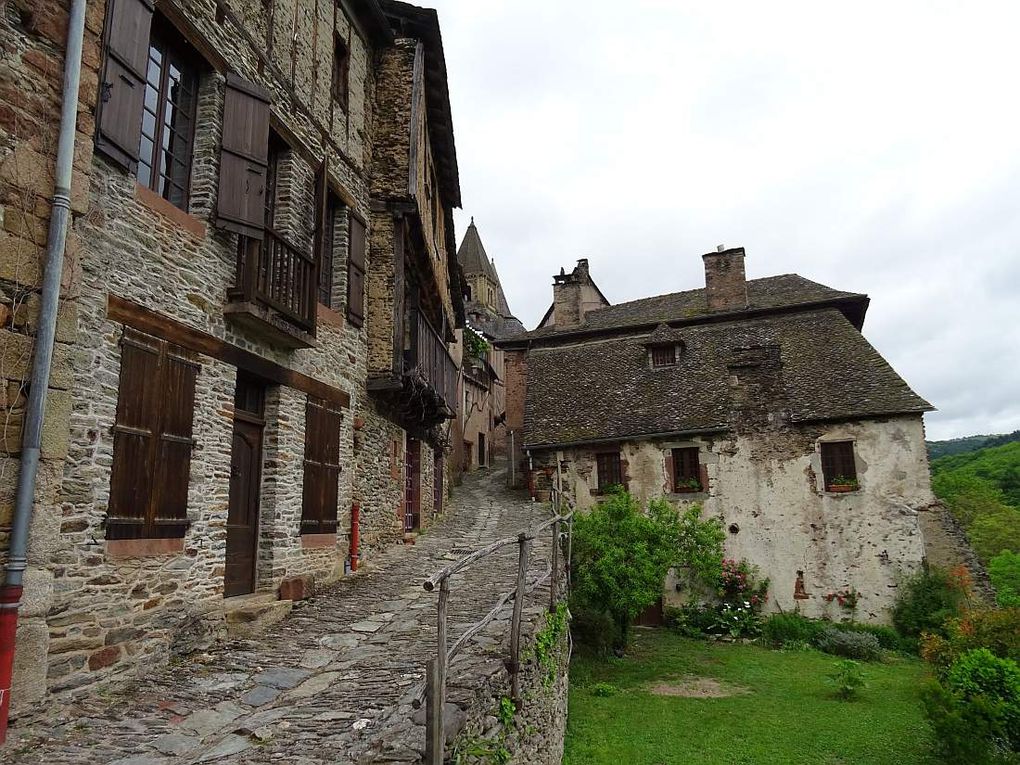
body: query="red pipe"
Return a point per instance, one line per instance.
(10, 597)
(355, 534)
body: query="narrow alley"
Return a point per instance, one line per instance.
(333, 682)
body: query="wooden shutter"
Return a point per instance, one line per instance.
(838, 461)
(152, 440)
(356, 271)
(122, 90)
(685, 466)
(607, 466)
(321, 468)
(244, 158)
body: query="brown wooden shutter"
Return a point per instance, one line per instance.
(244, 158)
(356, 271)
(152, 440)
(122, 90)
(174, 445)
(321, 468)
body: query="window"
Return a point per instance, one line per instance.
(168, 119)
(838, 468)
(152, 440)
(341, 71)
(686, 470)
(356, 271)
(467, 291)
(663, 356)
(332, 211)
(322, 467)
(609, 473)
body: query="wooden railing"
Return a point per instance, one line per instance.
(428, 359)
(434, 690)
(279, 275)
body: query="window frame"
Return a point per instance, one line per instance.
(839, 460)
(662, 356)
(334, 206)
(602, 472)
(174, 52)
(686, 469)
(340, 86)
(318, 469)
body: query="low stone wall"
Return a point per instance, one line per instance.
(533, 734)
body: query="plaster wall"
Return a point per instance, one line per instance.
(766, 487)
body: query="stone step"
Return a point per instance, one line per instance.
(251, 615)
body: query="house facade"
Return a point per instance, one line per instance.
(483, 433)
(759, 400)
(253, 361)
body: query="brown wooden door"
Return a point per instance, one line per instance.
(245, 480)
(412, 480)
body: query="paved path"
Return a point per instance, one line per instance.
(332, 683)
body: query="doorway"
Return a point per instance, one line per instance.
(245, 481)
(412, 485)
(482, 461)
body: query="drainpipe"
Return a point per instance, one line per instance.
(60, 210)
(355, 535)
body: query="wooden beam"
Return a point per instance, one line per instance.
(143, 319)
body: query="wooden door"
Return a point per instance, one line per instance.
(482, 456)
(245, 480)
(412, 485)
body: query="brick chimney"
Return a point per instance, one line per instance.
(725, 283)
(568, 305)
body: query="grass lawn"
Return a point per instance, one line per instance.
(782, 710)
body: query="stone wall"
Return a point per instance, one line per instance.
(946, 546)
(516, 371)
(535, 735)
(767, 489)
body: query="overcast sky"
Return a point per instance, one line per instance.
(873, 147)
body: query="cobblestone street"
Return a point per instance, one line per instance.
(331, 683)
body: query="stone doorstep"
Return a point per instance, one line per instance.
(250, 615)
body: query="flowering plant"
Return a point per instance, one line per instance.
(738, 582)
(847, 598)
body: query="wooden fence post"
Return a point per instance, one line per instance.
(435, 743)
(554, 575)
(570, 549)
(524, 549)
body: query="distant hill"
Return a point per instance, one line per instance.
(966, 444)
(995, 467)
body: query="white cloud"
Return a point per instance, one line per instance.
(872, 147)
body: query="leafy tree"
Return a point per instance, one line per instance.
(1004, 570)
(621, 555)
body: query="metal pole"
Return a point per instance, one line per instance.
(17, 561)
(524, 550)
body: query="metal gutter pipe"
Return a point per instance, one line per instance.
(60, 212)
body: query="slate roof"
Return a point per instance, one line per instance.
(605, 388)
(772, 292)
(471, 254)
(473, 259)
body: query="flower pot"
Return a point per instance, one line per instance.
(686, 490)
(840, 488)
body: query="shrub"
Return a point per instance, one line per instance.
(604, 690)
(847, 678)
(926, 600)
(976, 711)
(738, 620)
(739, 583)
(853, 645)
(781, 629)
(998, 630)
(692, 620)
(620, 560)
(887, 637)
(1004, 571)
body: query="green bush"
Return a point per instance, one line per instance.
(887, 637)
(604, 690)
(997, 629)
(620, 559)
(975, 712)
(1004, 571)
(847, 678)
(925, 601)
(781, 629)
(692, 620)
(852, 645)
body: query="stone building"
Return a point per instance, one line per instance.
(759, 400)
(482, 424)
(259, 301)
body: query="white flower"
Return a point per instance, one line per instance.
(746, 604)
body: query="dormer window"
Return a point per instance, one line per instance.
(663, 356)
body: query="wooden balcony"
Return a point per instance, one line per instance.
(429, 367)
(275, 290)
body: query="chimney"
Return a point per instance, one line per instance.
(725, 284)
(568, 306)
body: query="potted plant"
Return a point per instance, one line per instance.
(842, 484)
(686, 485)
